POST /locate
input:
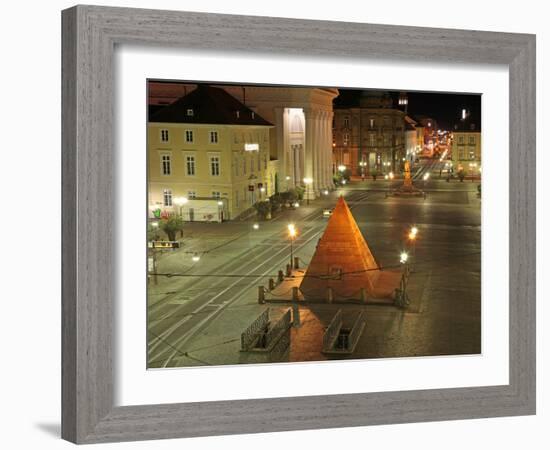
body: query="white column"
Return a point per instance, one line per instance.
(309, 148)
(279, 141)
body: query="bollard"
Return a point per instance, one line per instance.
(296, 316)
(296, 262)
(261, 295)
(363, 294)
(280, 276)
(288, 270)
(330, 295)
(271, 284)
(295, 293)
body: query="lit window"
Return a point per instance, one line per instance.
(189, 136)
(190, 112)
(190, 165)
(346, 122)
(191, 194)
(166, 165)
(472, 140)
(213, 137)
(215, 166)
(346, 138)
(461, 139)
(163, 135)
(167, 197)
(371, 123)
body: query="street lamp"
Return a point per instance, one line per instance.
(256, 226)
(180, 201)
(292, 235)
(307, 181)
(403, 257)
(412, 238)
(196, 257)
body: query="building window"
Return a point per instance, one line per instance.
(167, 197)
(346, 138)
(472, 154)
(190, 165)
(371, 123)
(191, 194)
(216, 194)
(213, 137)
(236, 166)
(165, 165)
(164, 135)
(190, 112)
(460, 140)
(259, 163)
(215, 166)
(346, 158)
(346, 122)
(372, 140)
(189, 136)
(472, 140)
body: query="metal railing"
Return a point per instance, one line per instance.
(332, 331)
(250, 336)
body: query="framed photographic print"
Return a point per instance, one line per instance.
(266, 230)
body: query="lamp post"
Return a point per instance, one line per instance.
(307, 182)
(292, 235)
(180, 201)
(412, 239)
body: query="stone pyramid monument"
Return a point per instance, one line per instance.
(344, 262)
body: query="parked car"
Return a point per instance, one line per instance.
(327, 212)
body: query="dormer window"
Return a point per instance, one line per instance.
(190, 112)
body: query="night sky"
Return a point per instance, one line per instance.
(444, 108)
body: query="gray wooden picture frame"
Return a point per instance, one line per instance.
(90, 34)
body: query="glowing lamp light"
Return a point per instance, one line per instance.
(341, 168)
(181, 200)
(155, 224)
(196, 257)
(262, 189)
(220, 203)
(296, 205)
(326, 190)
(287, 178)
(391, 175)
(256, 226)
(291, 230)
(426, 176)
(414, 230)
(403, 257)
(344, 181)
(308, 180)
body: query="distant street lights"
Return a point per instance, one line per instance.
(403, 257)
(292, 235)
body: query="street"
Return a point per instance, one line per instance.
(198, 309)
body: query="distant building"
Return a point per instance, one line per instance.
(369, 136)
(411, 139)
(466, 147)
(208, 156)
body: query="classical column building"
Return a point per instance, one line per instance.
(302, 137)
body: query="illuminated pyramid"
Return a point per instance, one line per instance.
(344, 262)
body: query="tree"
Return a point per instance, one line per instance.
(153, 233)
(263, 209)
(171, 225)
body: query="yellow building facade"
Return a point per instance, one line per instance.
(208, 171)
